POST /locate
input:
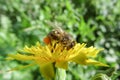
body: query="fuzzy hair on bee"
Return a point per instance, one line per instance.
(60, 36)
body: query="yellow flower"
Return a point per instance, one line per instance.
(56, 55)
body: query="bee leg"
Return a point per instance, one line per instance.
(53, 46)
(51, 50)
(71, 45)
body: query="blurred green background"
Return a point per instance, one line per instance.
(95, 22)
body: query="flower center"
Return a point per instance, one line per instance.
(58, 47)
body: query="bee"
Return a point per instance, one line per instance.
(60, 36)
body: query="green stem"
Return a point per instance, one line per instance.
(60, 74)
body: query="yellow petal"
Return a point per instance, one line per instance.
(76, 50)
(93, 62)
(62, 64)
(20, 57)
(43, 60)
(92, 52)
(80, 59)
(47, 71)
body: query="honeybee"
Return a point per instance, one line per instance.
(61, 37)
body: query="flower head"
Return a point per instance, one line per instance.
(55, 54)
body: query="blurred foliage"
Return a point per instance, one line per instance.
(95, 22)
